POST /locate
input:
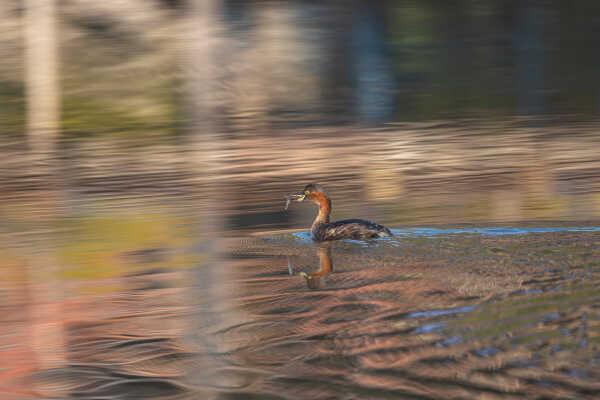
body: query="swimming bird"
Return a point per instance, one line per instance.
(322, 229)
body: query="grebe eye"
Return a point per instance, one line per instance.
(306, 192)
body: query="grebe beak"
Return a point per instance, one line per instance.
(293, 197)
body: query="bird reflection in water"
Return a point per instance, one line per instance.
(316, 280)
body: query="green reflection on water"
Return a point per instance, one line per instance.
(509, 315)
(102, 247)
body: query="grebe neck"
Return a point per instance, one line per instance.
(324, 211)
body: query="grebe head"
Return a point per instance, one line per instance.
(313, 192)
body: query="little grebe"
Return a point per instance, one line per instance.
(322, 229)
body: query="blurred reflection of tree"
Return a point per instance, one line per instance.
(375, 84)
(529, 49)
(43, 115)
(41, 73)
(207, 297)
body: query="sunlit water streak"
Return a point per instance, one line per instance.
(431, 232)
(418, 232)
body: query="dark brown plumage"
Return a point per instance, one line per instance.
(322, 229)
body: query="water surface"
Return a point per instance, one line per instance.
(439, 315)
(470, 128)
(110, 291)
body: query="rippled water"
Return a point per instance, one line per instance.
(129, 272)
(110, 291)
(433, 313)
(444, 316)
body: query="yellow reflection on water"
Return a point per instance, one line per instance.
(103, 247)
